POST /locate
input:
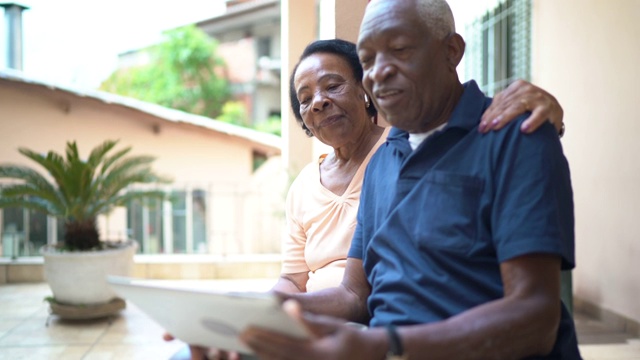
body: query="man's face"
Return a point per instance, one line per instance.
(405, 66)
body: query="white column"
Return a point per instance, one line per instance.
(299, 28)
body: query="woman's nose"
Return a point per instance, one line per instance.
(320, 102)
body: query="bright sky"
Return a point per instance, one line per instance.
(77, 42)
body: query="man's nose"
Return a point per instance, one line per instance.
(382, 69)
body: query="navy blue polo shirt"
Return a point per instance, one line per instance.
(435, 224)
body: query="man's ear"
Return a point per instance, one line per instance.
(455, 49)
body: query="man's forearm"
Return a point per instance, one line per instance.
(491, 331)
(523, 323)
(347, 301)
(338, 302)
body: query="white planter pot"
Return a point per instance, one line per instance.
(79, 278)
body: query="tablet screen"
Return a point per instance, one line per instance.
(207, 317)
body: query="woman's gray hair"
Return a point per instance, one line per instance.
(438, 17)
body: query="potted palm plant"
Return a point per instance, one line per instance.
(78, 191)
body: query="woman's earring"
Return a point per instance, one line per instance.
(367, 103)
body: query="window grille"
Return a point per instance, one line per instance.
(499, 46)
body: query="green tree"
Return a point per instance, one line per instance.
(233, 112)
(273, 125)
(184, 73)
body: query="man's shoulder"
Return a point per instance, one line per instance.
(381, 157)
(512, 134)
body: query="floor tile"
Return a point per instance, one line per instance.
(35, 332)
(162, 350)
(55, 352)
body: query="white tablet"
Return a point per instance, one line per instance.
(206, 317)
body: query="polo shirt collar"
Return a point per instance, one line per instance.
(469, 109)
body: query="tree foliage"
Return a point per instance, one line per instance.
(183, 73)
(233, 112)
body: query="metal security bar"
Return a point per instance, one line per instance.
(499, 46)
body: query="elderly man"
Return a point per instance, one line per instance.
(461, 236)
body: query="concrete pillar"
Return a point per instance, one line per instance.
(299, 28)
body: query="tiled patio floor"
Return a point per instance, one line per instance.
(132, 335)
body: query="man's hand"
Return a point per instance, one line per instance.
(202, 353)
(518, 98)
(331, 339)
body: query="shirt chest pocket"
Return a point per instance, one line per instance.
(446, 216)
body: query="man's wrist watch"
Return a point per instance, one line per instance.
(395, 352)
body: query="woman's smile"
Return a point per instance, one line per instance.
(330, 120)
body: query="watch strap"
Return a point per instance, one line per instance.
(396, 350)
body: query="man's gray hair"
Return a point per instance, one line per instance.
(438, 17)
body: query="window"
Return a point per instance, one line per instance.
(199, 221)
(499, 46)
(144, 219)
(24, 232)
(176, 226)
(263, 47)
(204, 219)
(179, 221)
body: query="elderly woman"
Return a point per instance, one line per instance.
(329, 102)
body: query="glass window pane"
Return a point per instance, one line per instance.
(199, 221)
(12, 231)
(179, 213)
(36, 237)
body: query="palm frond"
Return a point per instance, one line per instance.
(55, 165)
(34, 185)
(72, 152)
(124, 198)
(29, 191)
(99, 152)
(28, 203)
(115, 186)
(121, 174)
(106, 164)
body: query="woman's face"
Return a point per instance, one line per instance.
(332, 103)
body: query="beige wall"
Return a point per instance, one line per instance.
(185, 152)
(586, 53)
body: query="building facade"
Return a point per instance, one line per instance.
(219, 204)
(248, 34)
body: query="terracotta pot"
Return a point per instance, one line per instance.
(79, 278)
